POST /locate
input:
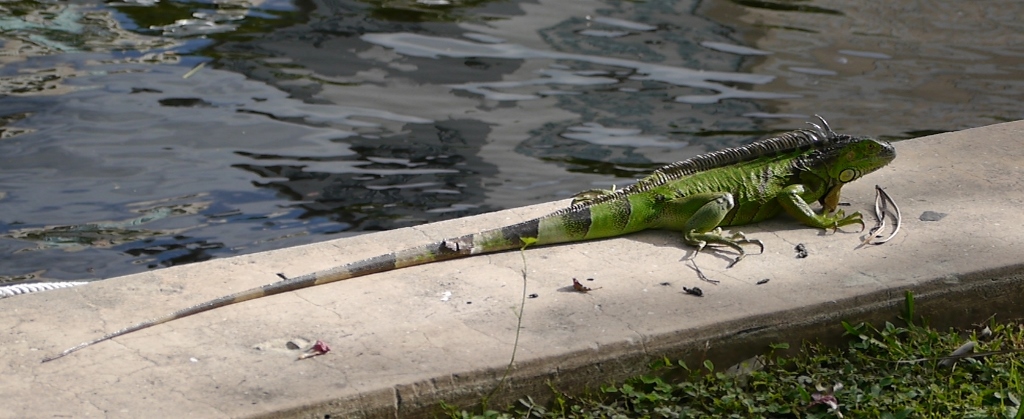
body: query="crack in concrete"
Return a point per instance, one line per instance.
(106, 414)
(488, 334)
(431, 343)
(138, 353)
(216, 408)
(325, 308)
(430, 237)
(518, 270)
(643, 341)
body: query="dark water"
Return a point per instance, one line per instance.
(312, 120)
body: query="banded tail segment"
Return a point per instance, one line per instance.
(559, 227)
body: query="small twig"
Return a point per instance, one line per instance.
(527, 241)
(897, 215)
(879, 215)
(883, 204)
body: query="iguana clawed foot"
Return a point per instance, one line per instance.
(714, 237)
(739, 238)
(840, 219)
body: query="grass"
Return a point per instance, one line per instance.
(885, 371)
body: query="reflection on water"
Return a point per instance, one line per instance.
(104, 234)
(118, 153)
(896, 69)
(427, 46)
(94, 152)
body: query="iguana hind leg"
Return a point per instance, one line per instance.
(706, 212)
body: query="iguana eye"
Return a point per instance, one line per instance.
(847, 175)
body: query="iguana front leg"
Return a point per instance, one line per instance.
(703, 213)
(790, 199)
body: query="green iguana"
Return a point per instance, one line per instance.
(696, 197)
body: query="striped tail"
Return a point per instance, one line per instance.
(490, 241)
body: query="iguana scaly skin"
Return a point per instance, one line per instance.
(696, 197)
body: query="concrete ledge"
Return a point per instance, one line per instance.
(399, 347)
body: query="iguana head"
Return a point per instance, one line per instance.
(848, 158)
(845, 160)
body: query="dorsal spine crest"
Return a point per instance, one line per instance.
(798, 140)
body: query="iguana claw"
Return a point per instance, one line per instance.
(734, 241)
(740, 238)
(840, 219)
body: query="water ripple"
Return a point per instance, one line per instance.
(434, 47)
